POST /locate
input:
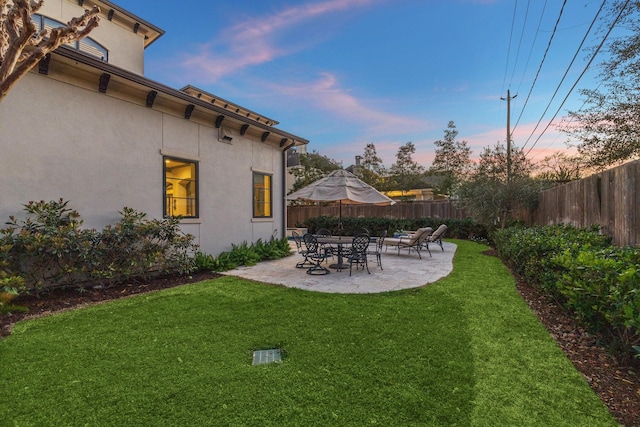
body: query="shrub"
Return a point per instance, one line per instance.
(48, 248)
(137, 247)
(597, 282)
(457, 228)
(203, 262)
(245, 254)
(529, 251)
(603, 288)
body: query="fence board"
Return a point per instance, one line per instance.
(608, 199)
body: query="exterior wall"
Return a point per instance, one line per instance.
(103, 154)
(126, 49)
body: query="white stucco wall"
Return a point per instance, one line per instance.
(100, 153)
(126, 49)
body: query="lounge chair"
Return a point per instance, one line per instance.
(436, 236)
(415, 241)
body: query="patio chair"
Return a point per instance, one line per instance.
(436, 236)
(306, 262)
(329, 249)
(361, 231)
(358, 253)
(415, 241)
(316, 254)
(378, 249)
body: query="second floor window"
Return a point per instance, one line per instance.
(86, 45)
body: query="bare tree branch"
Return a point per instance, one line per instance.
(22, 46)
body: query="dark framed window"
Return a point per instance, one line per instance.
(86, 45)
(262, 195)
(180, 187)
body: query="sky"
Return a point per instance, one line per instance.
(345, 73)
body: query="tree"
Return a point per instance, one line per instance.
(313, 166)
(22, 46)
(493, 163)
(452, 160)
(489, 197)
(371, 169)
(559, 168)
(405, 174)
(609, 127)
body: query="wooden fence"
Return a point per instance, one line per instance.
(297, 215)
(609, 199)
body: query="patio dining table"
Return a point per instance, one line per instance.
(339, 241)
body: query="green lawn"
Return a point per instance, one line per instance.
(463, 351)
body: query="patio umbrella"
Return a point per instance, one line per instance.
(343, 187)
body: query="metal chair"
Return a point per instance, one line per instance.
(378, 249)
(306, 262)
(329, 249)
(358, 253)
(362, 231)
(315, 254)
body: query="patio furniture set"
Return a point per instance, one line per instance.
(343, 187)
(317, 248)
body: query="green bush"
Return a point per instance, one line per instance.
(50, 249)
(580, 268)
(137, 247)
(603, 288)
(203, 262)
(244, 254)
(529, 251)
(457, 228)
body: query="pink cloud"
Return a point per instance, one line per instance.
(326, 94)
(551, 142)
(254, 41)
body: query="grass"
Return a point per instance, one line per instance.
(463, 351)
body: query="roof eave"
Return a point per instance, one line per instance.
(113, 70)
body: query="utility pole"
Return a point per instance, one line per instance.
(508, 201)
(508, 99)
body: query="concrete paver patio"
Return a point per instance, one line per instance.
(400, 272)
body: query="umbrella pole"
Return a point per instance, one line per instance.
(340, 217)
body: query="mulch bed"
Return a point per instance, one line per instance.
(616, 382)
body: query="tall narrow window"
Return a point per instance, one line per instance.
(262, 195)
(180, 188)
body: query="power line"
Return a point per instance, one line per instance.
(568, 122)
(524, 24)
(541, 63)
(535, 37)
(506, 65)
(613, 24)
(566, 72)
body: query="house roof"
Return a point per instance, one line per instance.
(227, 105)
(149, 92)
(126, 19)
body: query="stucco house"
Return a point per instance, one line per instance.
(88, 127)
